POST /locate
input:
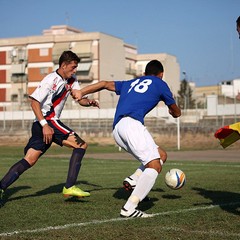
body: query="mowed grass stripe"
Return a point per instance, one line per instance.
(168, 163)
(94, 222)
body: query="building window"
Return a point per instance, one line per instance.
(43, 52)
(14, 97)
(44, 71)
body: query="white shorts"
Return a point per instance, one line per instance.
(134, 137)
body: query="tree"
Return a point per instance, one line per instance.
(185, 100)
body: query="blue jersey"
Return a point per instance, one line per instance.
(139, 96)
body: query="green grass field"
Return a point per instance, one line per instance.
(207, 207)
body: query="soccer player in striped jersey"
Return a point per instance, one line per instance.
(47, 102)
(138, 97)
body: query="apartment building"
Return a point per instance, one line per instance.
(24, 61)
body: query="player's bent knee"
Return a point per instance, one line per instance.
(80, 142)
(163, 156)
(155, 164)
(32, 156)
(74, 142)
(84, 146)
(31, 161)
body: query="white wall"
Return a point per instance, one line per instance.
(213, 108)
(159, 112)
(231, 90)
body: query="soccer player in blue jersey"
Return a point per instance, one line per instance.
(47, 102)
(137, 97)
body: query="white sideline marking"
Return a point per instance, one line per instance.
(216, 233)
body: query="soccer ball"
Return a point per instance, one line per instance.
(175, 178)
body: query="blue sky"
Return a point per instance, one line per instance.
(200, 33)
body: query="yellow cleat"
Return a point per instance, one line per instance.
(74, 192)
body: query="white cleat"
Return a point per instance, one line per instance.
(129, 184)
(134, 214)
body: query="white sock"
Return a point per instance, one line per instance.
(143, 187)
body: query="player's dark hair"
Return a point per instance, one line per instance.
(154, 67)
(68, 56)
(238, 21)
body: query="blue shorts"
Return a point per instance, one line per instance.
(61, 132)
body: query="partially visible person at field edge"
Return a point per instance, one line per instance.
(47, 102)
(137, 97)
(238, 26)
(238, 30)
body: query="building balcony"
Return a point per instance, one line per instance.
(84, 76)
(19, 78)
(18, 68)
(85, 56)
(131, 71)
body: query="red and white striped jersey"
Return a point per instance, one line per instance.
(52, 94)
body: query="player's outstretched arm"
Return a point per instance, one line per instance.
(79, 94)
(174, 110)
(86, 102)
(96, 87)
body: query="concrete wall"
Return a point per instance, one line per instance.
(112, 66)
(215, 109)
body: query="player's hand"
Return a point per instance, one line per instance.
(93, 103)
(174, 110)
(47, 133)
(76, 94)
(86, 102)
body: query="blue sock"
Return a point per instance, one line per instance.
(14, 172)
(74, 166)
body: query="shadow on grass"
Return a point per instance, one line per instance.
(227, 201)
(121, 193)
(144, 205)
(11, 192)
(49, 190)
(171, 196)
